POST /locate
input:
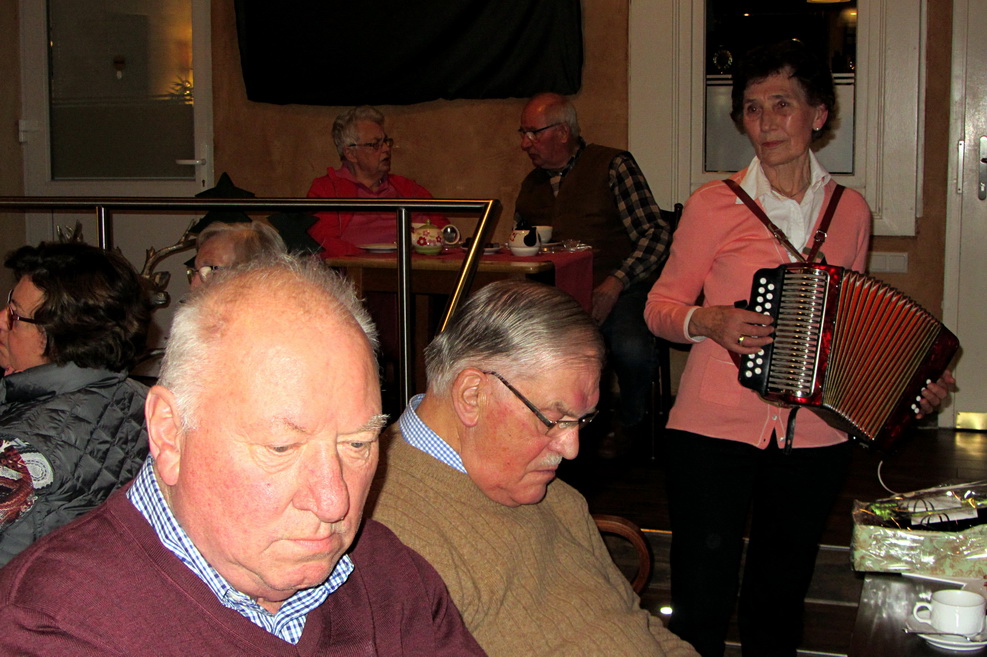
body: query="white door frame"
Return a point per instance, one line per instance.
(964, 309)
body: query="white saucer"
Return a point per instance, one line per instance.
(379, 248)
(955, 642)
(488, 250)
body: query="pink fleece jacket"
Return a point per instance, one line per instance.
(340, 233)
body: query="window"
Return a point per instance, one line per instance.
(881, 150)
(733, 27)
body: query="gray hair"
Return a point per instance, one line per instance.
(199, 325)
(344, 131)
(251, 241)
(518, 328)
(559, 109)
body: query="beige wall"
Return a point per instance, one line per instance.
(469, 149)
(456, 149)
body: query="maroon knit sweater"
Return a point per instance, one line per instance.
(104, 585)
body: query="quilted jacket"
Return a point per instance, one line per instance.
(82, 435)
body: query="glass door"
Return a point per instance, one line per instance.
(117, 101)
(121, 90)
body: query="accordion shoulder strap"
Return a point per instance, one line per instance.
(821, 233)
(778, 233)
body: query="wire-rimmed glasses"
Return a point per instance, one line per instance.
(203, 272)
(555, 427)
(533, 134)
(376, 144)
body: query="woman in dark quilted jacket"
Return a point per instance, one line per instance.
(71, 422)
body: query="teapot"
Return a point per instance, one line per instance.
(426, 238)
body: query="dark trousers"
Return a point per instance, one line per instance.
(714, 485)
(632, 354)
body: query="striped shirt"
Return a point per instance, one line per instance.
(289, 621)
(418, 435)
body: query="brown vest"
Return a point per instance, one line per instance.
(584, 209)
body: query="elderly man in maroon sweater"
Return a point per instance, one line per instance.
(238, 535)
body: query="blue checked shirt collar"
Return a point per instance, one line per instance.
(289, 621)
(418, 435)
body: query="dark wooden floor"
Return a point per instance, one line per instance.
(634, 488)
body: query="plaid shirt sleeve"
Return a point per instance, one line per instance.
(642, 218)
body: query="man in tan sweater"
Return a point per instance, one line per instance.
(468, 480)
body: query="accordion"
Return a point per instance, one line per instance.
(853, 349)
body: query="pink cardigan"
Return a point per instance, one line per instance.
(716, 249)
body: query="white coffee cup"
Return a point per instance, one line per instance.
(450, 235)
(544, 233)
(517, 243)
(953, 610)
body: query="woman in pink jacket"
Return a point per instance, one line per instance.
(726, 446)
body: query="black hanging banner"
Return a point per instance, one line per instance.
(399, 52)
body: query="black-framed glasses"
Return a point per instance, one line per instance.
(533, 134)
(376, 144)
(14, 317)
(203, 272)
(555, 427)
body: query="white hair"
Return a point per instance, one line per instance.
(518, 328)
(199, 325)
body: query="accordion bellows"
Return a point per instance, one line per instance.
(847, 345)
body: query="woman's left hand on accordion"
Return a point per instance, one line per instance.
(934, 394)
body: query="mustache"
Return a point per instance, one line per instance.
(550, 461)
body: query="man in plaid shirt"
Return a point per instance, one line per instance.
(599, 195)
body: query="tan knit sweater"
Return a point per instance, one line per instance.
(531, 580)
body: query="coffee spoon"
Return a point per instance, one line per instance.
(966, 637)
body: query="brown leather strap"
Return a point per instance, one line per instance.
(778, 233)
(824, 224)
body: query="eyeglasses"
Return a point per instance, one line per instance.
(204, 272)
(555, 427)
(533, 134)
(14, 317)
(375, 144)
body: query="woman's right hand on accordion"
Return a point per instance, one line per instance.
(735, 329)
(934, 394)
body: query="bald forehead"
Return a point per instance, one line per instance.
(271, 302)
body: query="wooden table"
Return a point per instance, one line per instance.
(433, 279)
(886, 601)
(376, 272)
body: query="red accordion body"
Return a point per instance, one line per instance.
(849, 346)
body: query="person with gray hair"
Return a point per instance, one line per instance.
(365, 172)
(468, 481)
(239, 534)
(223, 245)
(599, 195)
